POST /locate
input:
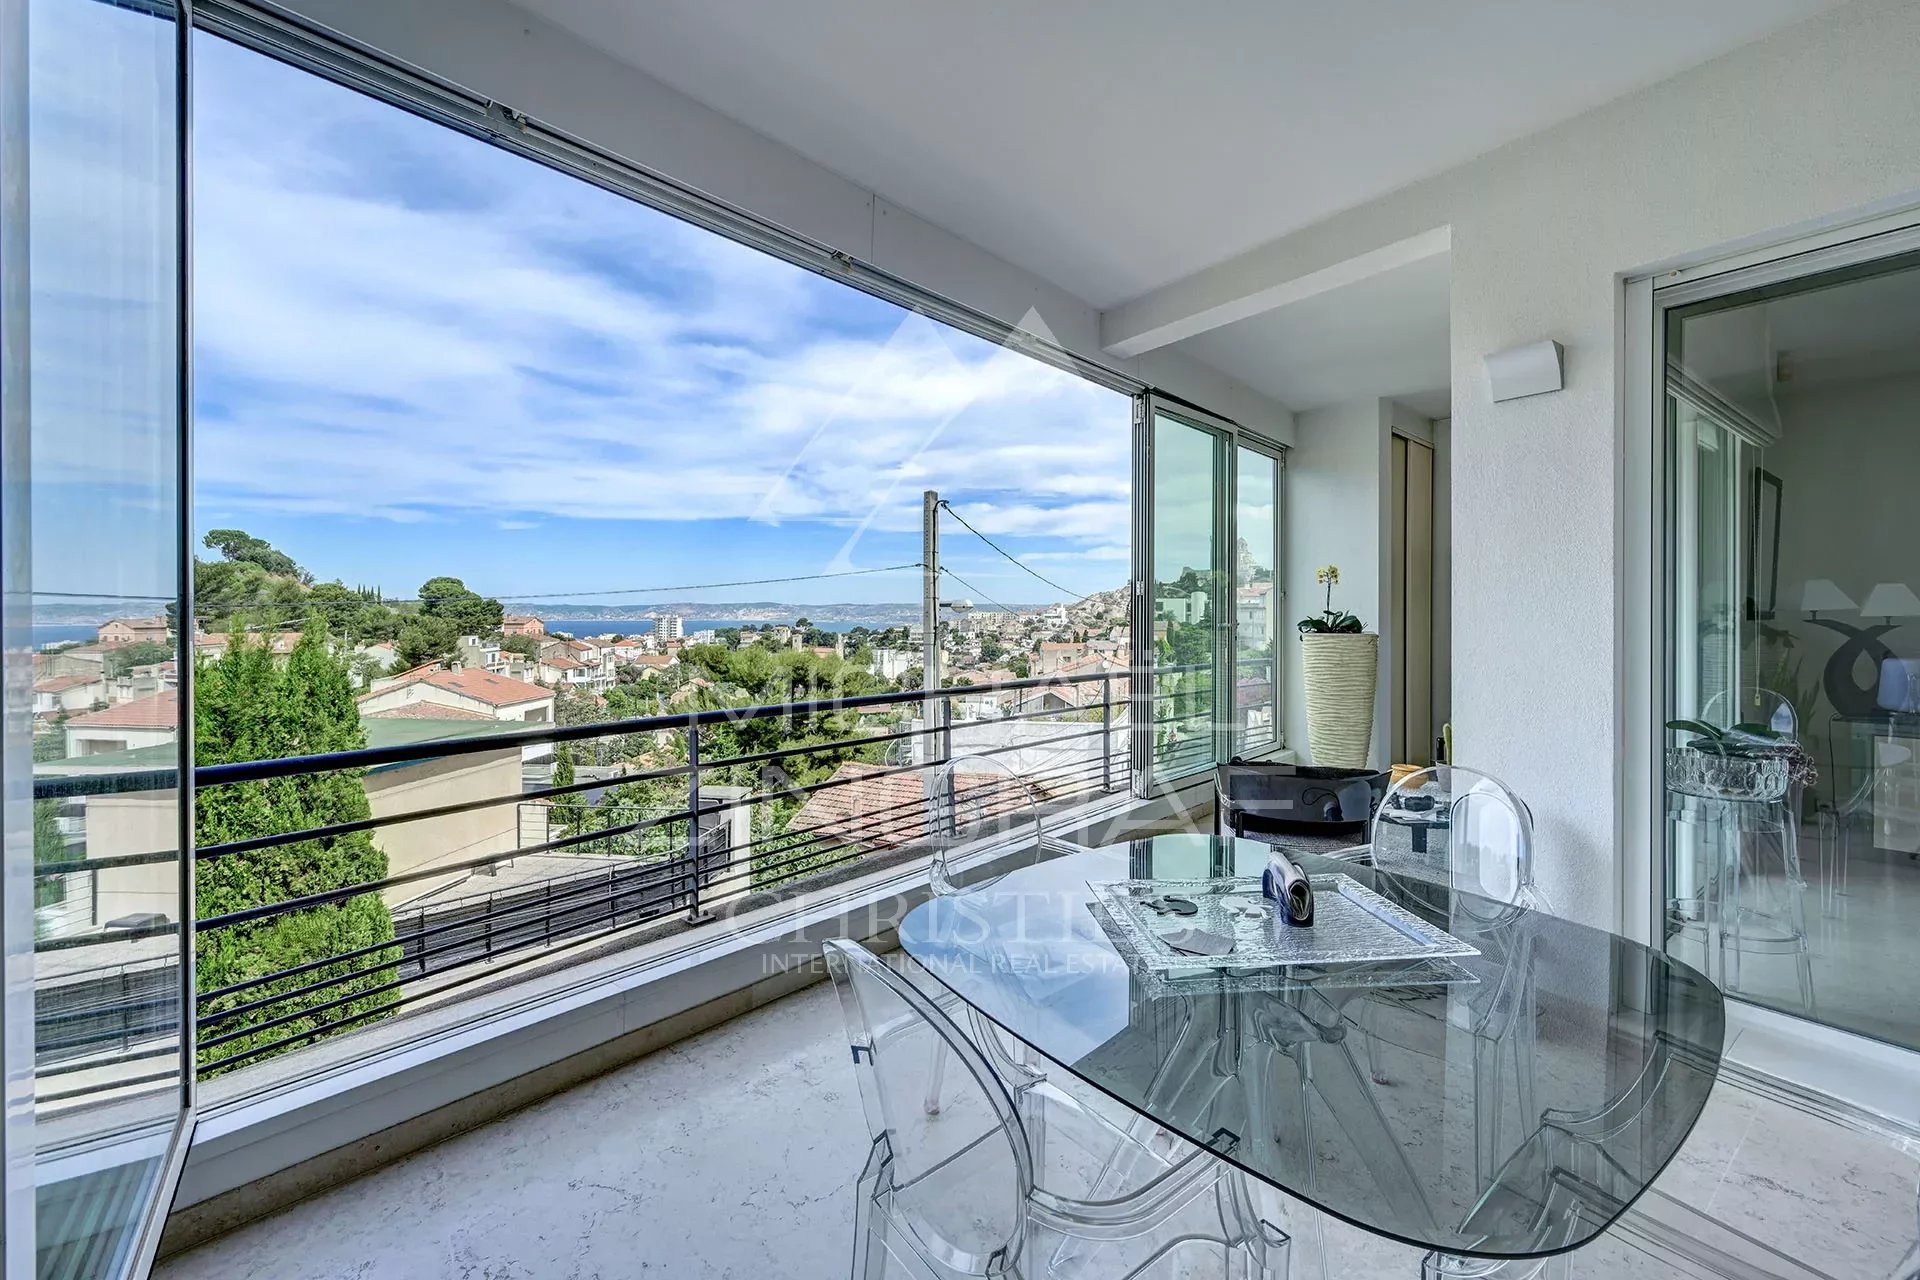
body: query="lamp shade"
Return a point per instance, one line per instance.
(1823, 595)
(1891, 600)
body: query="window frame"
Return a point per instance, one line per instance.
(1229, 437)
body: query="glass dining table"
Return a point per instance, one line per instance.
(1507, 1103)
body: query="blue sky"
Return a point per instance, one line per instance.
(418, 354)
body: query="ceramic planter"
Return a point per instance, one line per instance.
(1341, 672)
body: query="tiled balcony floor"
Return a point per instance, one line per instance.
(732, 1155)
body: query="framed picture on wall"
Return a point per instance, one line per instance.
(1763, 545)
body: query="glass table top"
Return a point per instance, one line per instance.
(1511, 1103)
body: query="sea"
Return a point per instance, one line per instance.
(45, 634)
(641, 626)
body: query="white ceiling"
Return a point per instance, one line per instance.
(1113, 146)
(1385, 335)
(1867, 328)
(1808, 341)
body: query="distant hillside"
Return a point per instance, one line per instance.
(1103, 604)
(747, 611)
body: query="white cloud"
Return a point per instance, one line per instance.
(398, 322)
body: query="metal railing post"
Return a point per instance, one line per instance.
(1106, 733)
(952, 798)
(694, 914)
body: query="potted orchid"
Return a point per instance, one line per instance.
(1340, 666)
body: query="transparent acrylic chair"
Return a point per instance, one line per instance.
(974, 1190)
(1753, 903)
(1886, 784)
(978, 804)
(973, 802)
(1485, 833)
(1478, 838)
(1564, 1170)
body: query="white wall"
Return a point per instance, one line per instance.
(413, 788)
(514, 58)
(1336, 513)
(1807, 129)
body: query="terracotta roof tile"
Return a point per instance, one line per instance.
(485, 686)
(885, 810)
(60, 684)
(426, 711)
(159, 711)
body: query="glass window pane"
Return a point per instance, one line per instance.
(1256, 638)
(102, 440)
(1186, 489)
(481, 445)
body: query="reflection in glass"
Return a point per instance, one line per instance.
(1255, 603)
(1793, 457)
(1184, 595)
(102, 436)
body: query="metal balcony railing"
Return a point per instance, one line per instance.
(738, 832)
(1185, 714)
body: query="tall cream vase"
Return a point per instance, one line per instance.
(1342, 672)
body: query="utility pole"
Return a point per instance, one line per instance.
(930, 611)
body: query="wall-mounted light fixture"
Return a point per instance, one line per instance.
(1531, 370)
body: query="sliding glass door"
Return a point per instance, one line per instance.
(1210, 595)
(1790, 750)
(91, 274)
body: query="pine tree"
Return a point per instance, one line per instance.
(49, 846)
(247, 710)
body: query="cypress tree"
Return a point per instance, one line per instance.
(245, 709)
(569, 811)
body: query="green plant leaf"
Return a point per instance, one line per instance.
(1700, 727)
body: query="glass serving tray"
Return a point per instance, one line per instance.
(1352, 925)
(1390, 975)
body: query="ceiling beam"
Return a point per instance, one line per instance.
(1285, 271)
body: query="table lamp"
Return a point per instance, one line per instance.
(1890, 600)
(1823, 595)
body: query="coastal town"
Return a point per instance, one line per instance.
(116, 692)
(111, 703)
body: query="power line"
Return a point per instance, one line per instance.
(1066, 591)
(610, 591)
(977, 591)
(696, 586)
